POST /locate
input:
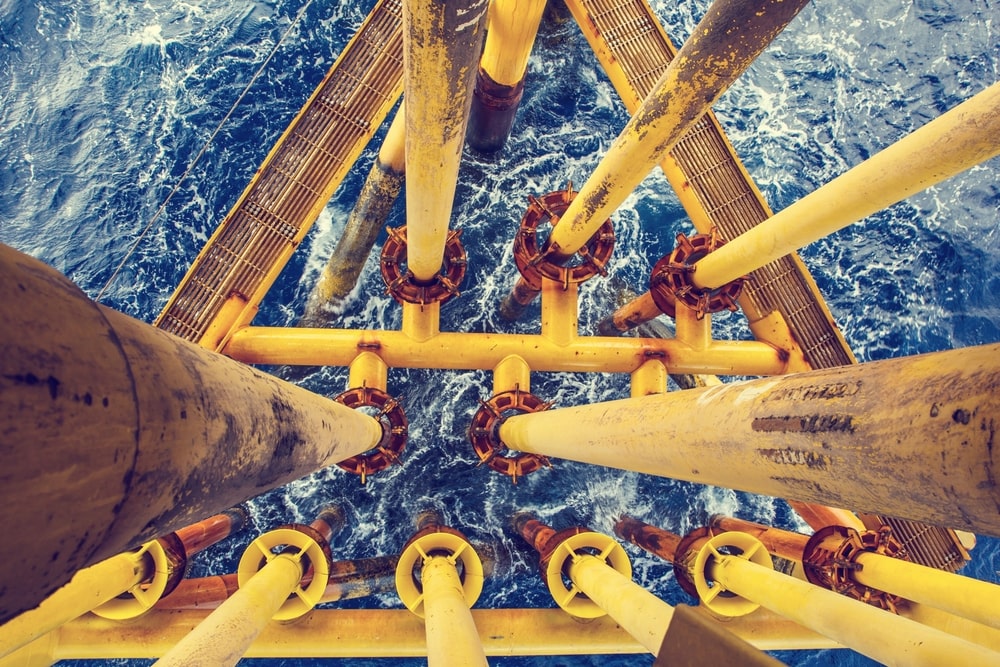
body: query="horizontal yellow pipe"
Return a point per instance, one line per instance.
(395, 633)
(878, 634)
(452, 638)
(955, 141)
(468, 351)
(843, 437)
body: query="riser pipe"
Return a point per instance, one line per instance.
(841, 437)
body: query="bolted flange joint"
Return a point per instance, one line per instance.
(830, 560)
(485, 438)
(670, 279)
(535, 263)
(437, 541)
(403, 285)
(395, 428)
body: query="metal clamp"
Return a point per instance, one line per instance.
(532, 260)
(670, 279)
(394, 431)
(304, 544)
(437, 541)
(570, 598)
(400, 281)
(483, 433)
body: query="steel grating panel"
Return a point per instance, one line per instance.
(301, 172)
(630, 33)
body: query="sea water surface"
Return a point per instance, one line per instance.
(105, 103)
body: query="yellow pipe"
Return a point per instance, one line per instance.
(464, 351)
(73, 371)
(392, 152)
(650, 378)
(690, 329)
(878, 634)
(512, 29)
(955, 141)
(452, 638)
(441, 42)
(89, 588)
(224, 636)
(368, 370)
(511, 373)
(396, 633)
(969, 598)
(722, 46)
(642, 614)
(813, 436)
(421, 322)
(559, 312)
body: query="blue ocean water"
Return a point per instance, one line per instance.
(103, 105)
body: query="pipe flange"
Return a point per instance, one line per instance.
(485, 438)
(670, 279)
(570, 598)
(401, 283)
(169, 560)
(395, 428)
(829, 560)
(307, 546)
(713, 594)
(437, 541)
(531, 259)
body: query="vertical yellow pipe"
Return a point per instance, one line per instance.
(368, 370)
(955, 141)
(421, 322)
(689, 329)
(722, 46)
(441, 42)
(559, 312)
(88, 589)
(878, 634)
(650, 378)
(642, 614)
(452, 638)
(500, 79)
(223, 637)
(511, 373)
(842, 437)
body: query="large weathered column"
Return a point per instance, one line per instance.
(115, 432)
(911, 437)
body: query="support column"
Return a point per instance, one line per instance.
(601, 584)
(272, 586)
(957, 140)
(91, 399)
(730, 36)
(847, 437)
(367, 219)
(873, 632)
(441, 43)
(443, 599)
(500, 79)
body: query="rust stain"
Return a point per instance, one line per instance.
(795, 457)
(805, 424)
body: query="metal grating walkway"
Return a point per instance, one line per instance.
(631, 45)
(227, 281)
